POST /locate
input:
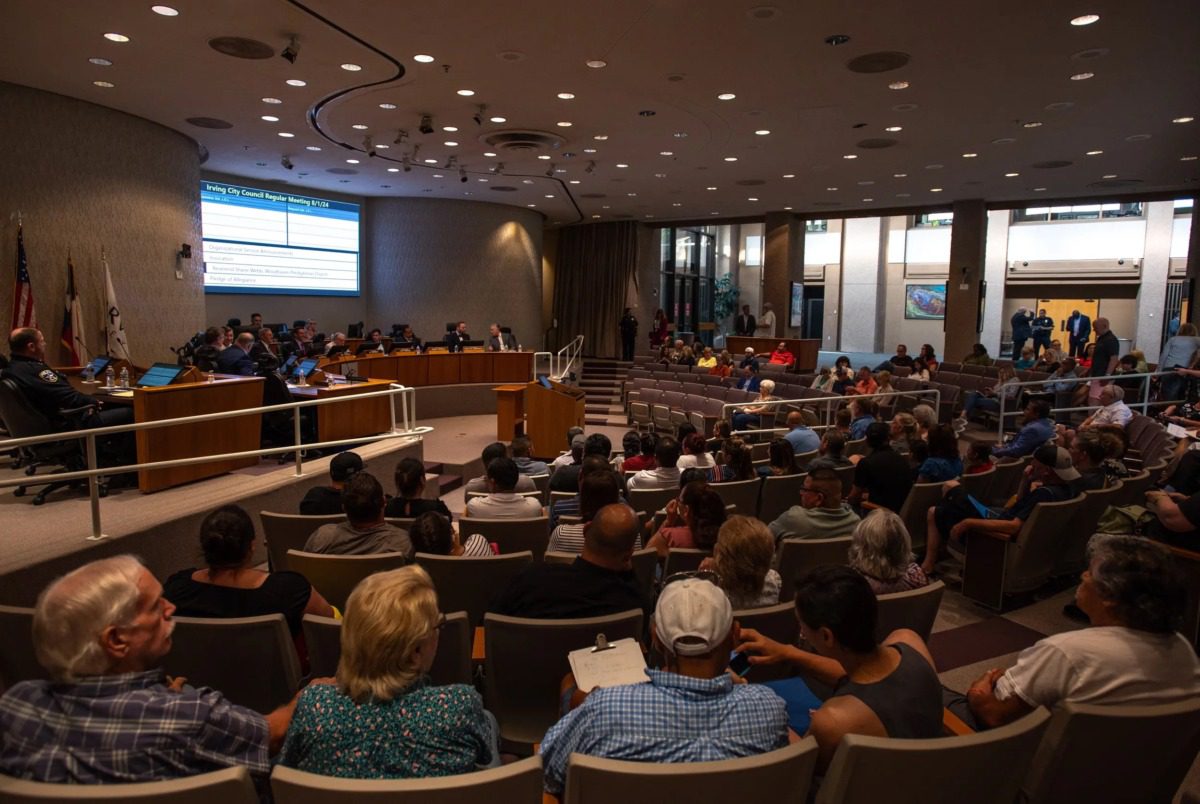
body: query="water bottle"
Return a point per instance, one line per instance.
(88, 373)
(211, 377)
(109, 376)
(125, 377)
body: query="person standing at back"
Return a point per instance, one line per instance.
(1022, 330)
(766, 322)
(744, 325)
(1079, 331)
(1043, 330)
(1105, 357)
(629, 328)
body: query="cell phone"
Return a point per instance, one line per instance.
(739, 663)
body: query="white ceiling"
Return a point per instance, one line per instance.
(977, 73)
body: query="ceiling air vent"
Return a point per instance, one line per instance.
(1115, 184)
(518, 143)
(209, 122)
(876, 142)
(502, 188)
(1052, 164)
(241, 48)
(750, 182)
(342, 171)
(880, 62)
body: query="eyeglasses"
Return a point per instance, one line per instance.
(703, 575)
(810, 490)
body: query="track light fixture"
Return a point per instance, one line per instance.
(451, 161)
(292, 50)
(550, 171)
(286, 162)
(591, 167)
(499, 168)
(479, 113)
(426, 126)
(401, 136)
(407, 164)
(368, 145)
(462, 174)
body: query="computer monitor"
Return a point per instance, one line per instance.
(159, 374)
(337, 351)
(286, 368)
(471, 344)
(368, 346)
(98, 365)
(545, 381)
(307, 366)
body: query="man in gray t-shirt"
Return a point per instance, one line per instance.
(364, 530)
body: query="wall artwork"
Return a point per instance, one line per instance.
(925, 302)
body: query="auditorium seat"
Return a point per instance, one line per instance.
(651, 500)
(229, 786)
(542, 482)
(1134, 488)
(684, 559)
(778, 622)
(979, 484)
(915, 609)
(1072, 556)
(467, 583)
(983, 768)
(915, 510)
(526, 661)
(778, 495)
(639, 413)
(786, 773)
(510, 535)
(18, 662)
(451, 665)
(335, 576)
(857, 446)
(798, 556)
(474, 495)
(742, 493)
(804, 458)
(284, 532)
(251, 660)
(846, 475)
(1006, 480)
(519, 781)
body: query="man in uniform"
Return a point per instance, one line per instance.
(1043, 330)
(50, 393)
(629, 328)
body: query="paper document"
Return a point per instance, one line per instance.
(120, 393)
(622, 663)
(1179, 432)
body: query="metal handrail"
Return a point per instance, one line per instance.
(570, 353)
(408, 430)
(1144, 404)
(827, 401)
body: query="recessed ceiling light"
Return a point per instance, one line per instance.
(450, 144)
(165, 11)
(286, 134)
(894, 129)
(424, 58)
(631, 195)
(903, 195)
(573, 181)
(531, 206)
(1096, 152)
(1003, 141)
(868, 200)
(549, 195)
(351, 161)
(899, 85)
(1183, 119)
(850, 156)
(272, 100)
(752, 199)
(104, 84)
(543, 156)
(866, 183)
(360, 126)
(466, 93)
(666, 153)
(483, 180)
(99, 62)
(566, 96)
(969, 156)
(679, 135)
(726, 96)
(714, 213)
(116, 37)
(498, 119)
(388, 106)
(1031, 124)
(762, 132)
(1085, 19)
(296, 82)
(489, 154)
(589, 150)
(1082, 76)
(676, 204)
(563, 124)
(1187, 159)
(600, 137)
(526, 181)
(1011, 175)
(312, 147)
(622, 165)
(660, 175)
(438, 176)
(787, 208)
(899, 175)
(431, 161)
(731, 159)
(595, 216)
(1109, 176)
(935, 189)
(1039, 189)
(789, 175)
(270, 118)
(831, 189)
(1137, 138)
(351, 67)
(710, 188)
(393, 170)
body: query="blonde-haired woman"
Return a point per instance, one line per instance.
(742, 560)
(383, 719)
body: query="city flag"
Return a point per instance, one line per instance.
(23, 314)
(114, 333)
(74, 348)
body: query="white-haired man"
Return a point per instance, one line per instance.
(109, 714)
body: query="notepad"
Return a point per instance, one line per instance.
(1179, 432)
(622, 663)
(120, 393)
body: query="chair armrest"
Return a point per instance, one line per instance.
(478, 651)
(80, 409)
(954, 724)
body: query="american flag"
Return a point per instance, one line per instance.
(23, 313)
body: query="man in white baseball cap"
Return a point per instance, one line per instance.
(690, 711)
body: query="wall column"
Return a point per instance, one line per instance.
(1156, 264)
(1193, 262)
(967, 258)
(864, 255)
(995, 271)
(783, 263)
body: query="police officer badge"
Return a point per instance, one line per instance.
(46, 375)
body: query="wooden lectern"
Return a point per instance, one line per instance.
(549, 413)
(510, 411)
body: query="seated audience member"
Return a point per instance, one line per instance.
(920, 370)
(944, 461)
(596, 490)
(881, 550)
(690, 711)
(1085, 362)
(692, 521)
(328, 499)
(862, 415)
(108, 713)
(707, 359)
(1050, 358)
(979, 458)
(1176, 518)
(1131, 385)
(683, 430)
(601, 581)
(820, 514)
(1063, 381)
(737, 461)
(747, 418)
(782, 459)
(502, 500)
(926, 418)
(574, 434)
(263, 345)
(1026, 360)
(643, 456)
(407, 339)
(824, 380)
(883, 385)
(887, 689)
(979, 356)
(899, 360)
(522, 455)
(666, 474)
(750, 380)
(230, 586)
(1140, 366)
(742, 560)
(883, 478)
(864, 383)
(843, 379)
(1113, 410)
(782, 356)
(930, 357)
(724, 366)
(695, 454)
(566, 478)
(1048, 478)
(722, 432)
(631, 447)
(989, 398)
(833, 445)
(802, 438)
(676, 351)
(490, 453)
(749, 359)
(382, 719)
(1134, 596)
(1036, 431)
(337, 345)
(904, 432)
(364, 531)
(686, 357)
(431, 533)
(592, 464)
(372, 344)
(410, 489)
(236, 359)
(1088, 454)
(841, 422)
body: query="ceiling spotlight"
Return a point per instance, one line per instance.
(591, 167)
(969, 156)
(762, 132)
(1096, 152)
(1109, 176)
(401, 137)
(1082, 76)
(596, 64)
(789, 175)
(726, 96)
(710, 188)
(1085, 19)
(426, 126)
(407, 164)
(849, 156)
(894, 129)
(466, 93)
(1031, 124)
(450, 144)
(388, 106)
(99, 62)
(292, 50)
(489, 154)
(116, 37)
(498, 119)
(550, 171)
(935, 189)
(312, 147)
(424, 59)
(1183, 119)
(296, 82)
(351, 68)
(164, 11)
(462, 174)
(566, 96)
(622, 165)
(899, 85)
(286, 162)
(1011, 175)
(272, 101)
(899, 175)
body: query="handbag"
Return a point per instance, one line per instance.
(1126, 519)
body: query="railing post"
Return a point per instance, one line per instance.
(296, 441)
(392, 409)
(94, 489)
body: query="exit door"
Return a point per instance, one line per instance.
(1060, 310)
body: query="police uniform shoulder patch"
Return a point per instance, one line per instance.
(46, 375)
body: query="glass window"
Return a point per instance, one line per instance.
(1183, 206)
(934, 219)
(1077, 212)
(754, 244)
(816, 226)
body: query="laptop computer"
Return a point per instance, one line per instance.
(159, 374)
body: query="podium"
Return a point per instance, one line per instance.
(550, 412)
(510, 411)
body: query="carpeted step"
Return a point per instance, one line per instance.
(448, 483)
(433, 468)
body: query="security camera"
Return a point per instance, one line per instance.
(426, 126)
(407, 165)
(479, 112)
(291, 51)
(287, 163)
(462, 176)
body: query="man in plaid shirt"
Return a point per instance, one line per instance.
(108, 715)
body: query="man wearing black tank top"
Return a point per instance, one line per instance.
(880, 690)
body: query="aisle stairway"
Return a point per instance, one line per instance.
(601, 379)
(435, 473)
